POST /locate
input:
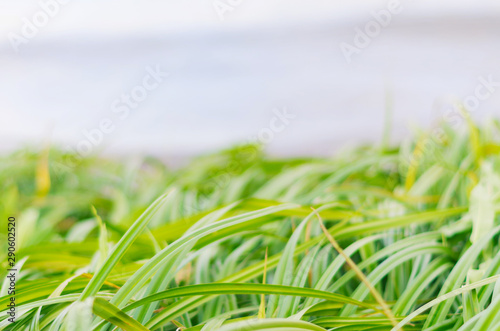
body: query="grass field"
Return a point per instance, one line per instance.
(375, 238)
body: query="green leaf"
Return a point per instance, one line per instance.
(125, 242)
(112, 314)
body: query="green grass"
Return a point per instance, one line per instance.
(234, 241)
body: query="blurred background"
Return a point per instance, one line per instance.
(180, 78)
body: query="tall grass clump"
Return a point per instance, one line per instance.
(376, 238)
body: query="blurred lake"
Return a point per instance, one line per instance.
(228, 77)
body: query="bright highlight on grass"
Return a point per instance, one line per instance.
(407, 239)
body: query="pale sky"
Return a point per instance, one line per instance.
(125, 16)
(227, 75)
